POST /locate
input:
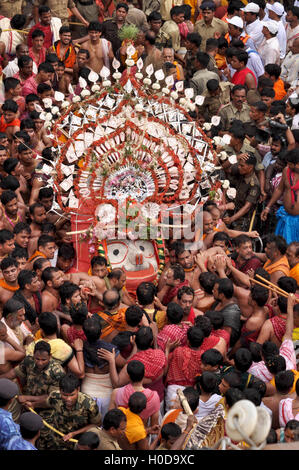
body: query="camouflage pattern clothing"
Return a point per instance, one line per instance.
(84, 412)
(163, 39)
(39, 382)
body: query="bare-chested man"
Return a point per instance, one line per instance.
(3, 156)
(100, 50)
(38, 216)
(9, 283)
(26, 157)
(12, 213)
(52, 278)
(11, 352)
(185, 258)
(288, 215)
(7, 243)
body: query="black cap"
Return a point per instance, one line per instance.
(208, 5)
(8, 389)
(31, 421)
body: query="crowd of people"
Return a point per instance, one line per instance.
(78, 351)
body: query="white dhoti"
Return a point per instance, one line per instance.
(99, 387)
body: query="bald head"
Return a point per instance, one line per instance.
(111, 299)
(207, 222)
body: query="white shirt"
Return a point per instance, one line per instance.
(291, 34)
(10, 38)
(295, 122)
(290, 68)
(269, 51)
(12, 68)
(255, 63)
(282, 39)
(254, 30)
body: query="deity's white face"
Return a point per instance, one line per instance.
(137, 259)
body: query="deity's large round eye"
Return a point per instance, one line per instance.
(146, 248)
(117, 252)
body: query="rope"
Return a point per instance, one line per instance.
(17, 30)
(51, 427)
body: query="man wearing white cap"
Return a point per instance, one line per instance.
(269, 50)
(276, 12)
(236, 31)
(253, 24)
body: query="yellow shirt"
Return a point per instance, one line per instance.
(135, 430)
(60, 350)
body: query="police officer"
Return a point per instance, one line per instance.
(8, 428)
(244, 179)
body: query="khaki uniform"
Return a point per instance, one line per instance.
(84, 412)
(10, 8)
(244, 149)
(190, 68)
(148, 6)
(106, 441)
(57, 7)
(172, 29)
(212, 66)
(163, 39)
(229, 112)
(199, 81)
(208, 31)
(210, 106)
(137, 17)
(166, 6)
(248, 190)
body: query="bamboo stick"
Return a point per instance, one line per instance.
(184, 402)
(272, 284)
(252, 221)
(268, 287)
(51, 427)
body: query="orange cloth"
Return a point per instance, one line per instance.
(244, 39)
(294, 273)
(36, 254)
(69, 57)
(279, 89)
(135, 430)
(296, 377)
(6, 286)
(205, 234)
(281, 265)
(4, 125)
(220, 61)
(113, 322)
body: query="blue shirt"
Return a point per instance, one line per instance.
(8, 428)
(18, 443)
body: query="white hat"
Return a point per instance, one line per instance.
(276, 8)
(271, 25)
(251, 8)
(236, 21)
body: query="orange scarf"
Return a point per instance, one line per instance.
(281, 265)
(38, 254)
(6, 286)
(294, 272)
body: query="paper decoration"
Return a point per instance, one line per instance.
(199, 100)
(215, 120)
